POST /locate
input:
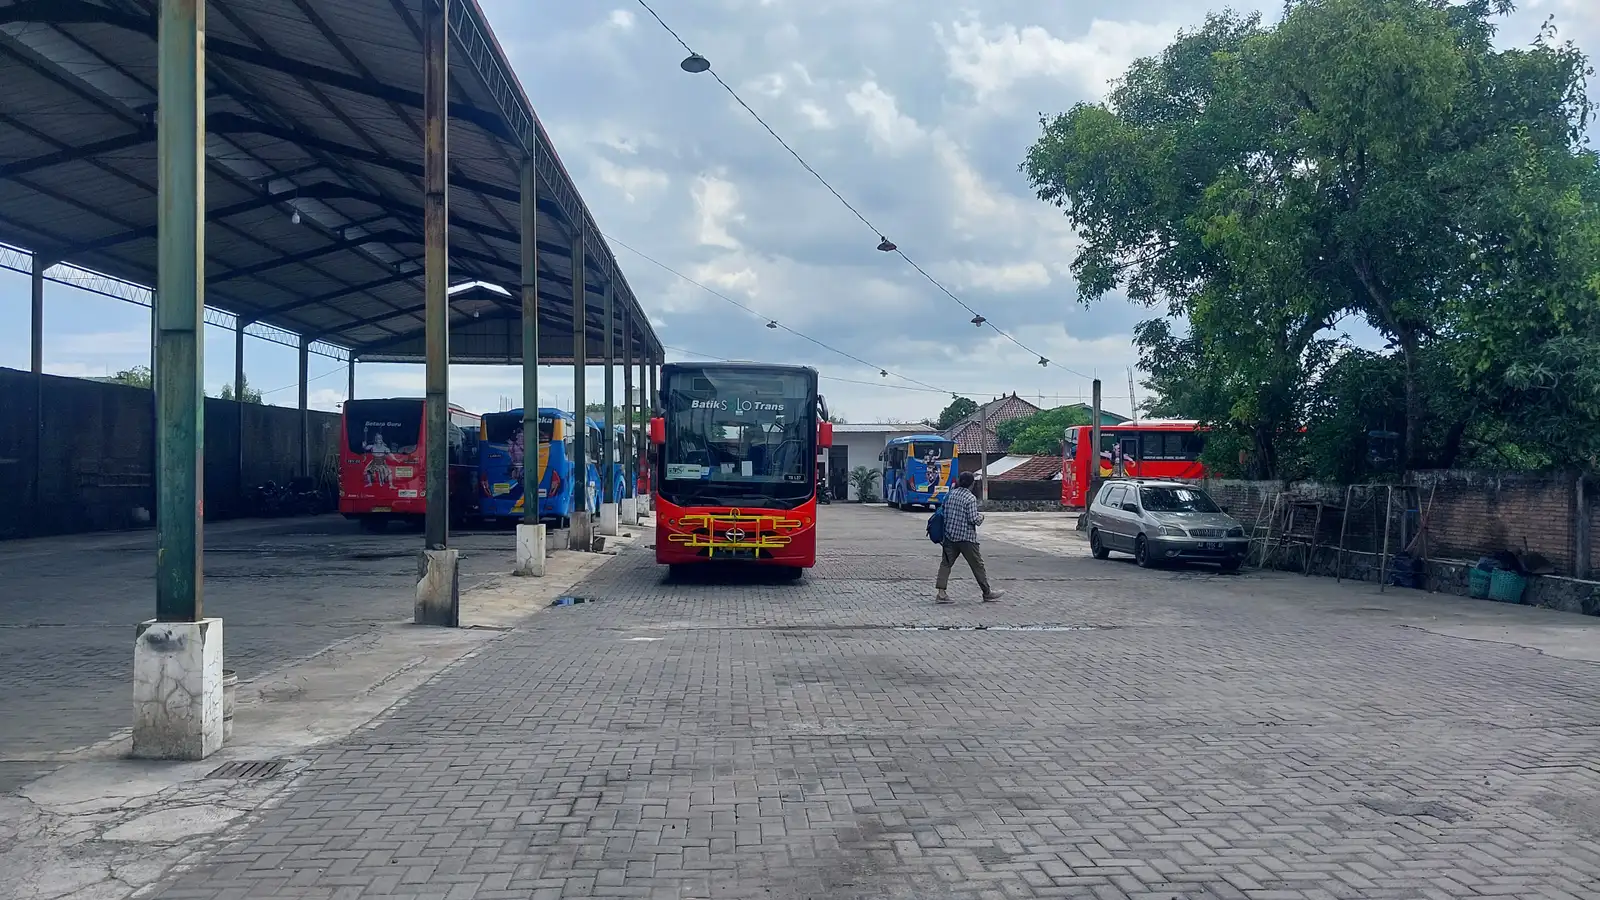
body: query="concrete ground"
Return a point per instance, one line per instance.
(285, 588)
(1105, 732)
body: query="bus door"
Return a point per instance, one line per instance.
(1128, 455)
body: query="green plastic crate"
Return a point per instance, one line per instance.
(1478, 583)
(1507, 586)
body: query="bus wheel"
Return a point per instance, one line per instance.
(676, 571)
(793, 573)
(374, 524)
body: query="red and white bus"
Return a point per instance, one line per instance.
(382, 461)
(735, 471)
(1154, 448)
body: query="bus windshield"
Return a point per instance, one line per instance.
(739, 435)
(384, 426)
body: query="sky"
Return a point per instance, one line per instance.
(917, 113)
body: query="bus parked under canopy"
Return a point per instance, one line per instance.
(383, 461)
(736, 464)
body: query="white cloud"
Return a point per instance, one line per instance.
(815, 115)
(1000, 277)
(771, 84)
(621, 18)
(632, 182)
(891, 129)
(991, 60)
(717, 205)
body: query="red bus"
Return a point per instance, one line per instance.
(1155, 448)
(383, 447)
(736, 465)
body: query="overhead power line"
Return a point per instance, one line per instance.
(696, 63)
(771, 322)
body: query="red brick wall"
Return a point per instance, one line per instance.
(1473, 514)
(1477, 513)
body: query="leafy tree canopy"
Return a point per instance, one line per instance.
(1378, 160)
(959, 409)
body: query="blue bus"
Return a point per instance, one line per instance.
(918, 470)
(595, 448)
(619, 478)
(501, 456)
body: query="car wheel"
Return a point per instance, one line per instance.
(1097, 547)
(1141, 553)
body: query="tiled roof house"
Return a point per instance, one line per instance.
(976, 433)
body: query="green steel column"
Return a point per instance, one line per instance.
(628, 465)
(531, 475)
(36, 497)
(580, 350)
(436, 269)
(608, 438)
(38, 265)
(240, 324)
(305, 407)
(179, 308)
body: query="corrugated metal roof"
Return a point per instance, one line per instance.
(311, 107)
(1039, 468)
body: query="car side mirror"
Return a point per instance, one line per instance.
(1228, 510)
(825, 435)
(1130, 507)
(658, 431)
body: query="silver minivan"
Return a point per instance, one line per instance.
(1164, 521)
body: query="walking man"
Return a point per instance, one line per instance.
(961, 521)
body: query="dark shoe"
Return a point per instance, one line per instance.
(942, 597)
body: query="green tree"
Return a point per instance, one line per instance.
(248, 393)
(1373, 158)
(1041, 434)
(138, 376)
(959, 409)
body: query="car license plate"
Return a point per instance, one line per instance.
(1213, 545)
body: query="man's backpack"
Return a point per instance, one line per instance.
(936, 526)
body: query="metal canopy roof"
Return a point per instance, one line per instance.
(314, 113)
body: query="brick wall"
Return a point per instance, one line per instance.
(1031, 491)
(1472, 514)
(91, 459)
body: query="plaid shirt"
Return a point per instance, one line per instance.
(961, 516)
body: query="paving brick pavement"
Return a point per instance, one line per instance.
(1112, 733)
(286, 589)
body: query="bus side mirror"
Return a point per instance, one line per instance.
(825, 435)
(658, 431)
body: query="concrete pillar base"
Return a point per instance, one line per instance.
(630, 511)
(530, 550)
(581, 535)
(438, 588)
(177, 689)
(609, 519)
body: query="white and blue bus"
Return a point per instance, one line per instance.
(918, 470)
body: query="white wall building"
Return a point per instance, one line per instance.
(862, 445)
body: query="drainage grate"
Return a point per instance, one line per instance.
(568, 600)
(250, 769)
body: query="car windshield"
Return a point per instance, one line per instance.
(1176, 500)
